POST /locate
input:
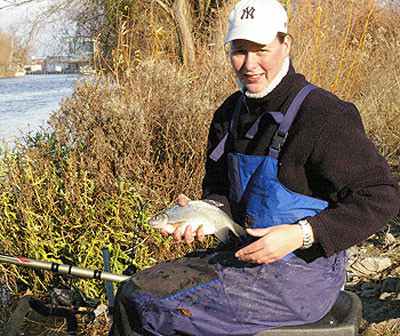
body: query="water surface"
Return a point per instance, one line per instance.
(26, 103)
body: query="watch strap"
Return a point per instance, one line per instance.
(307, 233)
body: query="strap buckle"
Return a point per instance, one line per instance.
(278, 140)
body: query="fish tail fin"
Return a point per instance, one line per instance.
(239, 231)
(223, 233)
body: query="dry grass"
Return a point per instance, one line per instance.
(351, 49)
(138, 132)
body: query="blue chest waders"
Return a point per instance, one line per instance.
(212, 293)
(254, 179)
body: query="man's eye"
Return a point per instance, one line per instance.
(262, 52)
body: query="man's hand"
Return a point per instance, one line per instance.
(275, 243)
(188, 235)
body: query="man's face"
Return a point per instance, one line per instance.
(256, 65)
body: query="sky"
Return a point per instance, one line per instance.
(17, 19)
(9, 17)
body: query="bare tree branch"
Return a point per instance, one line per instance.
(10, 4)
(165, 7)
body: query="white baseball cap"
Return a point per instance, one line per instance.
(256, 20)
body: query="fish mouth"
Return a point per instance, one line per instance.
(152, 223)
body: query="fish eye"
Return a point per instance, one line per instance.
(155, 218)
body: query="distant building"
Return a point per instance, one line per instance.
(81, 53)
(61, 64)
(36, 66)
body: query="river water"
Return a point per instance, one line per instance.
(26, 103)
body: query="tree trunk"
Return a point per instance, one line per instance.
(184, 25)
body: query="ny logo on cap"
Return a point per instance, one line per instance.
(248, 12)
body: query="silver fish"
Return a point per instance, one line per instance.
(196, 213)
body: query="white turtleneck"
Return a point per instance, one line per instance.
(274, 83)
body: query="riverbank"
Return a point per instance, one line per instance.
(7, 76)
(45, 73)
(374, 275)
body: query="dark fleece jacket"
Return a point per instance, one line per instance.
(327, 155)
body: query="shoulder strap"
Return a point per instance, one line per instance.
(278, 117)
(219, 150)
(281, 134)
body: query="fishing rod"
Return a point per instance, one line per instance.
(61, 299)
(79, 272)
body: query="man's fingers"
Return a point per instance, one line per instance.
(249, 251)
(257, 232)
(183, 200)
(177, 234)
(188, 235)
(200, 233)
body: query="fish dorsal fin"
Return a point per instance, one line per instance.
(214, 203)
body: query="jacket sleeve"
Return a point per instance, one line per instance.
(364, 197)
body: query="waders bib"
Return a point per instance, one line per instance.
(210, 293)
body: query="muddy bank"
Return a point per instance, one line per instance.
(373, 273)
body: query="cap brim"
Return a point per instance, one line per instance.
(250, 35)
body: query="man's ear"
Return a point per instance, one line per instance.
(287, 44)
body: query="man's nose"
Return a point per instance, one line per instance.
(251, 61)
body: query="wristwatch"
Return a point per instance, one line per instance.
(307, 233)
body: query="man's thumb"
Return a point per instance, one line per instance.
(257, 232)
